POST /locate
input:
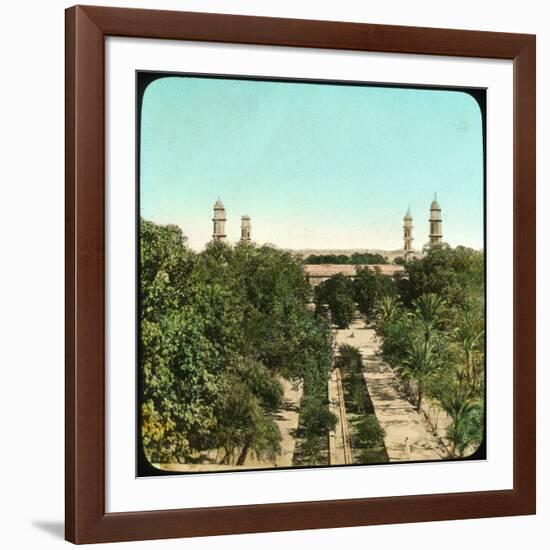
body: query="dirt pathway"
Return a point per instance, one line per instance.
(408, 434)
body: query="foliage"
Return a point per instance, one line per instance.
(455, 275)
(357, 258)
(337, 293)
(428, 309)
(468, 338)
(433, 334)
(243, 424)
(420, 363)
(369, 286)
(349, 359)
(466, 431)
(220, 328)
(340, 294)
(369, 432)
(217, 331)
(396, 332)
(386, 308)
(316, 421)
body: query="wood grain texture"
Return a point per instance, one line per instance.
(86, 29)
(525, 273)
(85, 260)
(70, 163)
(241, 29)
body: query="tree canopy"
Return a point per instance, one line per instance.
(357, 258)
(217, 331)
(337, 294)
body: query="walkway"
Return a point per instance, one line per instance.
(408, 434)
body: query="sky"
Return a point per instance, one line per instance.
(318, 166)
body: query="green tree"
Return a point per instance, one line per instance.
(420, 363)
(168, 407)
(387, 308)
(428, 309)
(244, 419)
(455, 275)
(357, 258)
(364, 258)
(468, 338)
(217, 331)
(436, 337)
(337, 293)
(396, 335)
(369, 286)
(466, 430)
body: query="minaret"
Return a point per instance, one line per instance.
(435, 223)
(219, 220)
(245, 229)
(407, 236)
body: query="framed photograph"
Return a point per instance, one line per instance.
(300, 274)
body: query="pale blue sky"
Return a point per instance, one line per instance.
(313, 165)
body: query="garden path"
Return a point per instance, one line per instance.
(408, 434)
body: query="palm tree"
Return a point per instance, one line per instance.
(420, 363)
(386, 308)
(461, 433)
(468, 337)
(428, 309)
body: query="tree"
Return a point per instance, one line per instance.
(396, 333)
(466, 431)
(420, 363)
(386, 308)
(364, 258)
(468, 337)
(180, 366)
(369, 286)
(428, 309)
(337, 293)
(455, 275)
(217, 331)
(357, 258)
(436, 337)
(244, 420)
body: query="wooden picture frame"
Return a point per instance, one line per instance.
(86, 30)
